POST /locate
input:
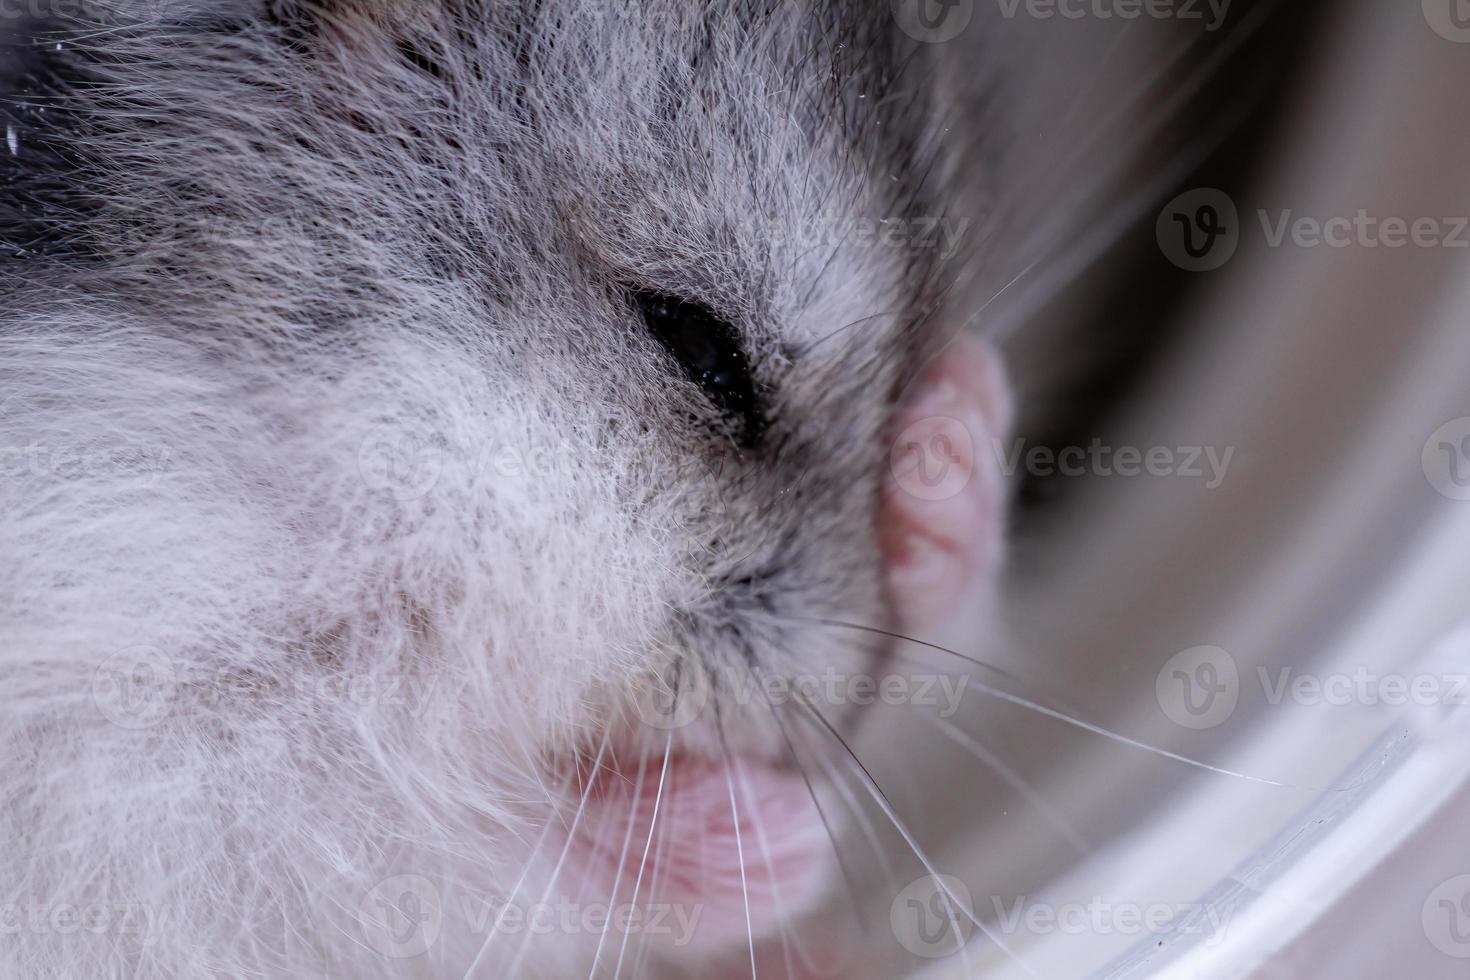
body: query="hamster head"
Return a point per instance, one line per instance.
(441, 430)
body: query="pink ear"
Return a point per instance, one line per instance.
(943, 496)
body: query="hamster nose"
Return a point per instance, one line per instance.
(941, 519)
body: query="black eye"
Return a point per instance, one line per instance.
(709, 350)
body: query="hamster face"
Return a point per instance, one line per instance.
(444, 422)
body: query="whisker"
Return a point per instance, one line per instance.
(561, 858)
(1061, 716)
(1103, 64)
(761, 840)
(740, 858)
(670, 821)
(865, 825)
(850, 324)
(1141, 130)
(515, 890)
(1179, 95)
(643, 864)
(893, 635)
(1013, 779)
(595, 855)
(622, 859)
(951, 902)
(842, 867)
(1067, 266)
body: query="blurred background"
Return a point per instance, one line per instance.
(1248, 758)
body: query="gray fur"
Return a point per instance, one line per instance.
(324, 289)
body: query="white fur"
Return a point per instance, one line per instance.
(433, 276)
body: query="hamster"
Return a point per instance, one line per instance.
(430, 429)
